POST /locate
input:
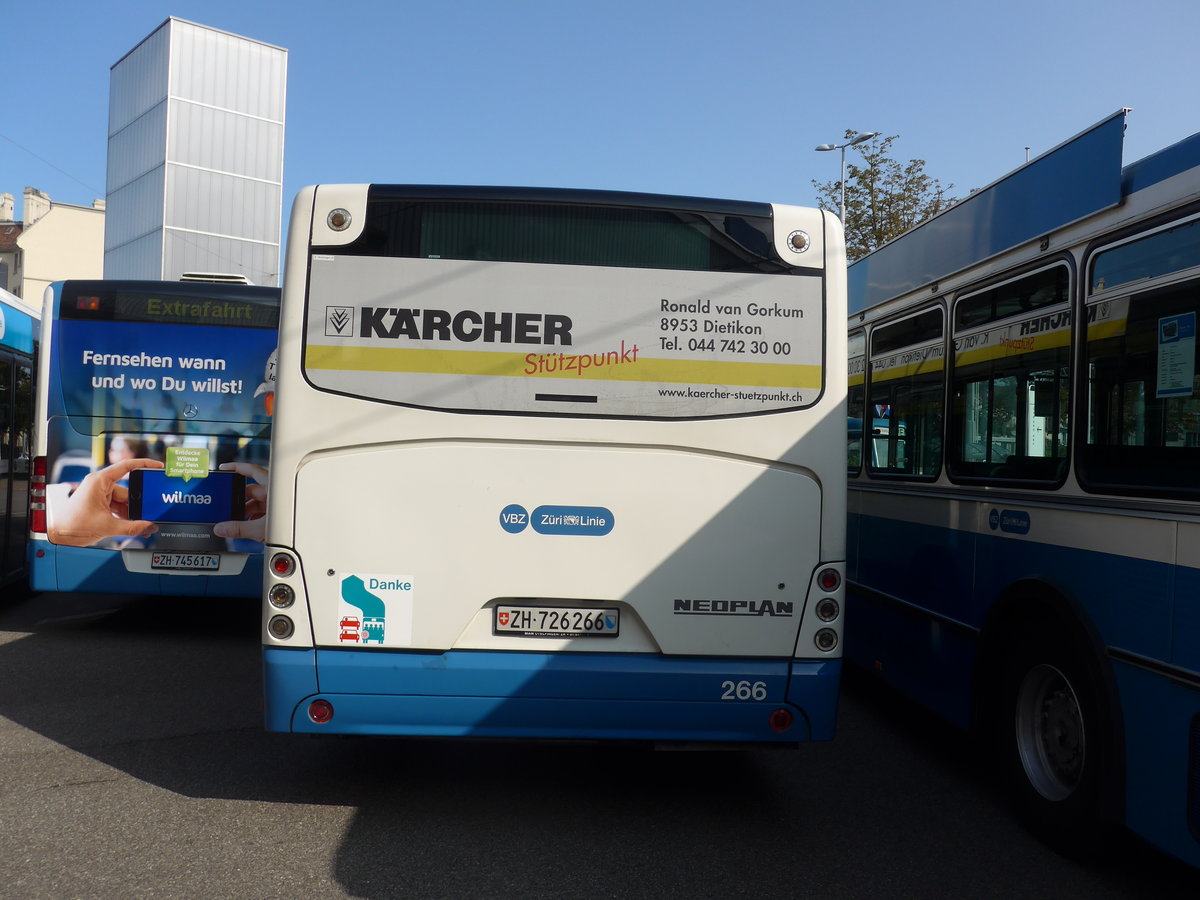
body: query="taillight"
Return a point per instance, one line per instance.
(827, 609)
(829, 580)
(282, 565)
(37, 496)
(320, 711)
(826, 639)
(281, 596)
(781, 720)
(281, 627)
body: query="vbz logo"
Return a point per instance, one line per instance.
(514, 518)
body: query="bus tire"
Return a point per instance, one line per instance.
(1056, 742)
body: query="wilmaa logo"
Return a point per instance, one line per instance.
(181, 497)
(339, 321)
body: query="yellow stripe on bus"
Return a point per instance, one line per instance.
(1098, 331)
(924, 367)
(1015, 347)
(587, 367)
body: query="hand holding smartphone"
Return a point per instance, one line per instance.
(157, 497)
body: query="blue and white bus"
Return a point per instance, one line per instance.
(137, 375)
(18, 356)
(1024, 527)
(557, 464)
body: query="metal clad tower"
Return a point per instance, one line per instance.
(195, 156)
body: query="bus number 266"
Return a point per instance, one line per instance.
(743, 690)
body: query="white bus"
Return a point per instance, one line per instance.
(1024, 542)
(557, 464)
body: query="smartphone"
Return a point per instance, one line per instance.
(157, 497)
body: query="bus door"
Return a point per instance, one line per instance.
(16, 404)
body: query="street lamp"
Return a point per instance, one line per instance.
(857, 139)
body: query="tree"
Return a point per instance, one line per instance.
(884, 197)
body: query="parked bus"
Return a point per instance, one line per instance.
(179, 374)
(557, 464)
(18, 353)
(1024, 541)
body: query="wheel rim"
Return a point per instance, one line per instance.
(1050, 732)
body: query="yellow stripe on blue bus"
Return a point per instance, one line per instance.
(1010, 347)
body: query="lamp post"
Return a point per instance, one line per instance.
(857, 139)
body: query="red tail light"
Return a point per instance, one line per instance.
(37, 496)
(781, 720)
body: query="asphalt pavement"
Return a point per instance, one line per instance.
(133, 764)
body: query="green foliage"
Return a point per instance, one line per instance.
(884, 197)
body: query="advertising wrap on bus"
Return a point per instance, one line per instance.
(673, 345)
(178, 374)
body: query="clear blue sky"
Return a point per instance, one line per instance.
(707, 97)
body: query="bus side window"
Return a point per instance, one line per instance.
(905, 404)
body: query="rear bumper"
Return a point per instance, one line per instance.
(582, 696)
(57, 568)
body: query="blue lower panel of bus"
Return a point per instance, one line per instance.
(551, 695)
(929, 590)
(55, 568)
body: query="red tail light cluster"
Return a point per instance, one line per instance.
(37, 496)
(828, 609)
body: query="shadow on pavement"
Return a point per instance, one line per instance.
(168, 691)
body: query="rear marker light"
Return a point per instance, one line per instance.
(338, 219)
(829, 579)
(781, 720)
(320, 711)
(281, 596)
(826, 639)
(282, 565)
(798, 241)
(281, 627)
(828, 609)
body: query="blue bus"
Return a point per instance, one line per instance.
(1024, 547)
(151, 437)
(18, 354)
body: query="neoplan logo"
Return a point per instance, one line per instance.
(733, 608)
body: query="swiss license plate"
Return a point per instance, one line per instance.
(557, 621)
(185, 561)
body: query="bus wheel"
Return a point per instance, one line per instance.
(1057, 744)
(1051, 739)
